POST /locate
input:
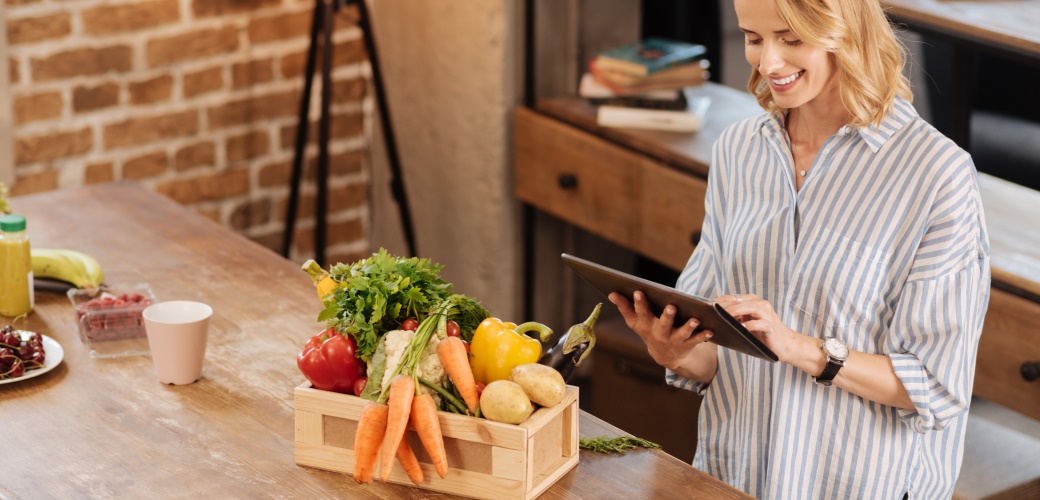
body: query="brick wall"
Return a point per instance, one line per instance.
(195, 99)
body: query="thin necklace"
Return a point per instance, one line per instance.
(791, 137)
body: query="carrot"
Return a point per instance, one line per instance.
(428, 425)
(367, 440)
(402, 390)
(453, 356)
(406, 456)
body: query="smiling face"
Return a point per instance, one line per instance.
(797, 73)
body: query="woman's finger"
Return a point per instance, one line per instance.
(633, 318)
(699, 338)
(642, 306)
(624, 307)
(663, 326)
(760, 327)
(684, 331)
(739, 309)
(728, 300)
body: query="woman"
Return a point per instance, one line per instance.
(848, 235)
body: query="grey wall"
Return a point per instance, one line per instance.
(453, 72)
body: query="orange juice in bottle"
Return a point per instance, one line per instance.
(16, 279)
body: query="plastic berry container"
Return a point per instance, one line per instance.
(110, 321)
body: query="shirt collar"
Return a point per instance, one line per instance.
(875, 136)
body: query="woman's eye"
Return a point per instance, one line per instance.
(791, 43)
(750, 41)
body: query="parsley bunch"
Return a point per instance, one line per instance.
(377, 293)
(621, 444)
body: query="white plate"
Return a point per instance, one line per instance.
(54, 354)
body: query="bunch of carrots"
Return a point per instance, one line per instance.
(381, 430)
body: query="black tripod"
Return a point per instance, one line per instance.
(322, 23)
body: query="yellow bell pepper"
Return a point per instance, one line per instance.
(499, 346)
(323, 281)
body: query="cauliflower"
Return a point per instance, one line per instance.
(429, 366)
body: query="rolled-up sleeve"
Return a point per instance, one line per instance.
(938, 317)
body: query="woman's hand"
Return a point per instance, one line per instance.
(670, 347)
(759, 317)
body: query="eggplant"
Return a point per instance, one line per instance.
(564, 363)
(573, 347)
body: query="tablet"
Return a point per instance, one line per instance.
(728, 331)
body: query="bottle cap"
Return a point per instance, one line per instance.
(12, 223)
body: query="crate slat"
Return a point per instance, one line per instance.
(524, 459)
(483, 431)
(308, 427)
(325, 457)
(508, 464)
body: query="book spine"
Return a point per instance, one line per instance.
(629, 68)
(641, 102)
(676, 121)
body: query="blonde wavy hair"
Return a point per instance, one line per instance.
(863, 46)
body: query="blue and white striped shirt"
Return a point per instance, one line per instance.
(884, 247)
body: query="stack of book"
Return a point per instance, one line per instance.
(643, 85)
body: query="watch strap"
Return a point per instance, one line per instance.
(829, 372)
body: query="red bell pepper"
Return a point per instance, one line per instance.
(329, 363)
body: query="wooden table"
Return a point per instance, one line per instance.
(107, 428)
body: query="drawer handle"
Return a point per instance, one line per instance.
(1031, 371)
(567, 181)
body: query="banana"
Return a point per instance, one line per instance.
(51, 263)
(77, 268)
(92, 268)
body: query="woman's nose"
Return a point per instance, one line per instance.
(770, 60)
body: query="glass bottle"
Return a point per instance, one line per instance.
(16, 277)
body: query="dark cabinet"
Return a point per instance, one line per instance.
(627, 389)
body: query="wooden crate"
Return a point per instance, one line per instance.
(485, 459)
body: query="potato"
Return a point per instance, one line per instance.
(505, 401)
(543, 384)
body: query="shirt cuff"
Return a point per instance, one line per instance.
(675, 380)
(933, 404)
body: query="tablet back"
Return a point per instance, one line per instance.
(728, 331)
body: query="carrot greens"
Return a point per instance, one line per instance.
(377, 293)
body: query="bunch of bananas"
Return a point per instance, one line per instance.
(70, 266)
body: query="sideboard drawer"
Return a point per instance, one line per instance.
(1010, 339)
(578, 178)
(608, 190)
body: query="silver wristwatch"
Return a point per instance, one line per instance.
(836, 352)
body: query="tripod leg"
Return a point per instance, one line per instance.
(301, 132)
(321, 203)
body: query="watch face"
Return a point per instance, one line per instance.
(835, 348)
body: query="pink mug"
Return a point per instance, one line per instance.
(177, 332)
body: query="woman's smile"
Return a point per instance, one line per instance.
(786, 83)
